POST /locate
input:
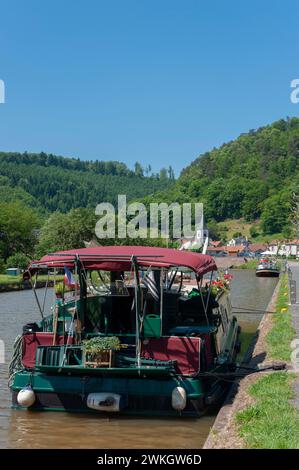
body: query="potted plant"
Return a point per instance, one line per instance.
(59, 289)
(99, 351)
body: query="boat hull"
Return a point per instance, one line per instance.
(143, 396)
(267, 273)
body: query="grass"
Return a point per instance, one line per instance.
(6, 280)
(9, 280)
(245, 339)
(234, 226)
(231, 226)
(280, 336)
(272, 422)
(251, 264)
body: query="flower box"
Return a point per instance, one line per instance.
(100, 351)
(103, 358)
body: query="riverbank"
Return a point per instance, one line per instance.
(258, 412)
(228, 262)
(16, 283)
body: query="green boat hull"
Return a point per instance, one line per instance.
(142, 395)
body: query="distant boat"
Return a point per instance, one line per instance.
(267, 268)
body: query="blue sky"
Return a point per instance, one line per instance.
(158, 81)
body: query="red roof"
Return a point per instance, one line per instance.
(216, 243)
(118, 258)
(293, 242)
(216, 249)
(234, 249)
(258, 247)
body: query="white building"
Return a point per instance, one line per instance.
(286, 248)
(238, 241)
(195, 242)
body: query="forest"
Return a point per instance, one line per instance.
(252, 177)
(57, 183)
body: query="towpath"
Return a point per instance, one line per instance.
(294, 298)
(294, 295)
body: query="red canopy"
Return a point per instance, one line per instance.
(118, 258)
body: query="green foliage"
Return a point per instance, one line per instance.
(66, 231)
(237, 234)
(101, 343)
(251, 177)
(61, 287)
(19, 260)
(275, 212)
(2, 265)
(215, 231)
(18, 224)
(254, 231)
(251, 264)
(58, 183)
(272, 422)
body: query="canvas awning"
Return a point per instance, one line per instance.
(118, 258)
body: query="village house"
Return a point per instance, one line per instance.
(257, 248)
(225, 250)
(238, 241)
(292, 247)
(234, 250)
(284, 248)
(215, 243)
(216, 251)
(197, 241)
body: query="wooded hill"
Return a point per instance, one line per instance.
(58, 183)
(251, 177)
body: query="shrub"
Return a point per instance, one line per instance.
(19, 260)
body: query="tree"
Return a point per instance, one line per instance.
(18, 224)
(163, 174)
(66, 231)
(276, 211)
(138, 169)
(254, 231)
(19, 260)
(170, 173)
(295, 213)
(216, 232)
(237, 234)
(254, 195)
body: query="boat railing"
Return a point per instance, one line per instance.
(74, 357)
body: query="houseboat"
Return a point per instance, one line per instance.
(267, 268)
(124, 335)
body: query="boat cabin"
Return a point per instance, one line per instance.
(125, 312)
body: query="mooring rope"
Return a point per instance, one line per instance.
(15, 364)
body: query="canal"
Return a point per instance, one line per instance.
(22, 429)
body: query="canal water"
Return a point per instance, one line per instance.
(22, 429)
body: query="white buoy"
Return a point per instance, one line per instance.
(179, 398)
(26, 397)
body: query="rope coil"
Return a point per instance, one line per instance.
(15, 364)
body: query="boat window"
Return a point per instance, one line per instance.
(107, 283)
